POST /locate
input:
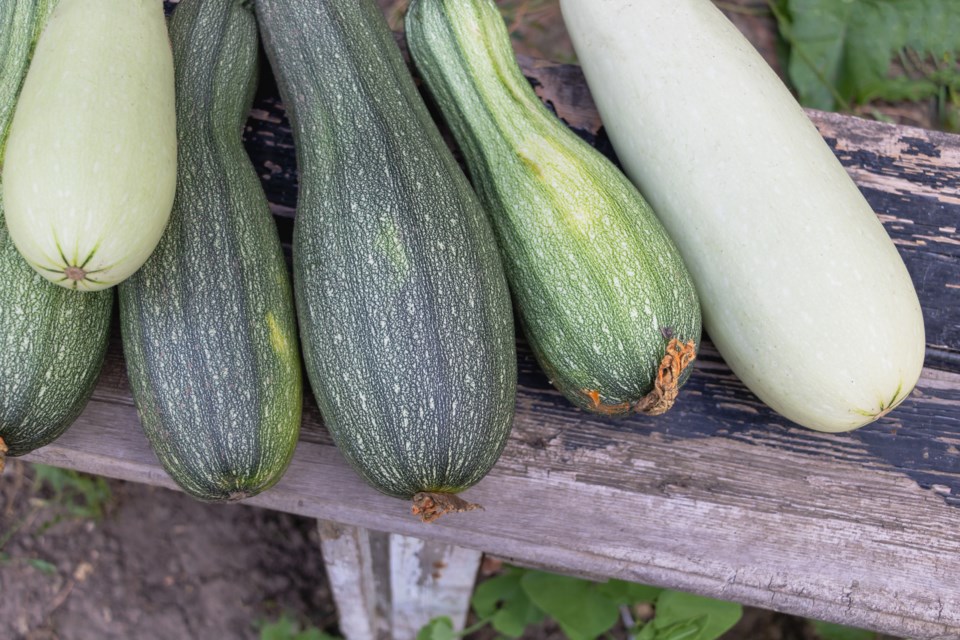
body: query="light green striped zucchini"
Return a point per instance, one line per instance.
(605, 300)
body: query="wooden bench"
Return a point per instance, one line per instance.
(720, 497)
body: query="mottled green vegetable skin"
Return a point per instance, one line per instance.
(208, 322)
(52, 341)
(599, 286)
(404, 311)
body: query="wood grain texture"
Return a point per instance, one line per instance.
(720, 497)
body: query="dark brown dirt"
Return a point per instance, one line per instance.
(159, 566)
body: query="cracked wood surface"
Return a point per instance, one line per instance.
(720, 497)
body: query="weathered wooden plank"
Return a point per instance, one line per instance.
(920, 440)
(777, 527)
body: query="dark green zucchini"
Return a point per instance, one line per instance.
(208, 322)
(605, 300)
(52, 341)
(404, 311)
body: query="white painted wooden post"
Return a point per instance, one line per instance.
(388, 586)
(429, 579)
(350, 572)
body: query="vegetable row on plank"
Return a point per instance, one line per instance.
(123, 165)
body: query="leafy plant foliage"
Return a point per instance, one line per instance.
(828, 631)
(56, 495)
(75, 495)
(585, 610)
(843, 52)
(288, 628)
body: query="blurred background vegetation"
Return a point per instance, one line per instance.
(891, 60)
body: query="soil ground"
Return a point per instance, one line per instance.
(158, 565)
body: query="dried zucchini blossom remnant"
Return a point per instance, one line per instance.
(430, 506)
(666, 388)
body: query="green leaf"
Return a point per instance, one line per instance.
(314, 634)
(507, 622)
(518, 612)
(490, 592)
(578, 606)
(682, 630)
(42, 565)
(715, 617)
(75, 494)
(438, 629)
(622, 592)
(288, 628)
(648, 632)
(828, 631)
(282, 629)
(841, 51)
(816, 32)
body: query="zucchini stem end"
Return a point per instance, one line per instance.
(430, 506)
(666, 388)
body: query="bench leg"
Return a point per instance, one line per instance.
(388, 586)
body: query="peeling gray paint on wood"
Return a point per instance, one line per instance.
(388, 586)
(349, 565)
(429, 580)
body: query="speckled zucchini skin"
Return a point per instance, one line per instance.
(208, 322)
(404, 312)
(52, 341)
(599, 286)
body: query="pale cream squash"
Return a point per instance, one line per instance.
(803, 292)
(90, 167)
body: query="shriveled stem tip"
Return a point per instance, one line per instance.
(3, 454)
(430, 506)
(666, 388)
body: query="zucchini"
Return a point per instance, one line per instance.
(802, 290)
(404, 311)
(601, 291)
(90, 164)
(208, 322)
(52, 341)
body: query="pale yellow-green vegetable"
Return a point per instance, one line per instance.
(803, 292)
(90, 166)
